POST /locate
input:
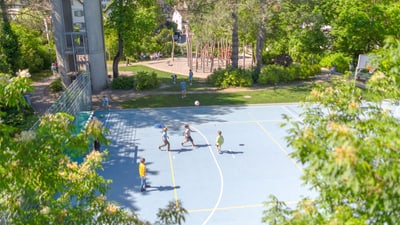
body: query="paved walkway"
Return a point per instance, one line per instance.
(42, 98)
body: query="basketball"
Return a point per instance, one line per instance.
(196, 103)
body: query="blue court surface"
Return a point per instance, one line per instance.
(216, 189)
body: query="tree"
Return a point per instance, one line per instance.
(173, 214)
(130, 20)
(48, 176)
(34, 55)
(349, 151)
(361, 26)
(8, 43)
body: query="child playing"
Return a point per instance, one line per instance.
(183, 88)
(105, 102)
(187, 135)
(164, 138)
(219, 141)
(142, 174)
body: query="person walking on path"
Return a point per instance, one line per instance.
(105, 102)
(219, 141)
(183, 88)
(142, 174)
(190, 77)
(164, 138)
(187, 135)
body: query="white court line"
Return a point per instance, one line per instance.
(296, 116)
(283, 149)
(221, 189)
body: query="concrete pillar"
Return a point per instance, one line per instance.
(57, 15)
(96, 48)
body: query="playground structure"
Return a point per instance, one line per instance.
(211, 56)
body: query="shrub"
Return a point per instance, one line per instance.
(293, 72)
(122, 83)
(237, 78)
(271, 74)
(338, 59)
(231, 78)
(56, 85)
(145, 80)
(274, 74)
(307, 71)
(217, 77)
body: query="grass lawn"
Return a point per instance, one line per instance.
(286, 94)
(279, 95)
(41, 75)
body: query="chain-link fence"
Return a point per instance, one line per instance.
(76, 98)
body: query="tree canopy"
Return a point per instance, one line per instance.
(349, 150)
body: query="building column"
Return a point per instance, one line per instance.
(96, 48)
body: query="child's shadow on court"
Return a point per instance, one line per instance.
(231, 152)
(181, 150)
(202, 145)
(161, 188)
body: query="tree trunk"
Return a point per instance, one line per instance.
(197, 55)
(118, 57)
(244, 56)
(212, 56)
(235, 40)
(261, 35)
(260, 43)
(173, 47)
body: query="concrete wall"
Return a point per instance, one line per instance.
(63, 22)
(95, 35)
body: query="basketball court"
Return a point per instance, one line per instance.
(228, 188)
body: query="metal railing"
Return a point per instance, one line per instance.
(76, 98)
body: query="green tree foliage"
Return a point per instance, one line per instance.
(48, 176)
(8, 44)
(361, 26)
(173, 214)
(34, 55)
(349, 151)
(130, 21)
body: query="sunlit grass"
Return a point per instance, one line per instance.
(279, 95)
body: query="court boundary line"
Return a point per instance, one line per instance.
(242, 206)
(221, 190)
(282, 149)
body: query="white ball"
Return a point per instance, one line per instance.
(196, 103)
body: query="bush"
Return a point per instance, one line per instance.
(231, 78)
(122, 83)
(274, 74)
(144, 80)
(271, 74)
(217, 77)
(338, 59)
(56, 85)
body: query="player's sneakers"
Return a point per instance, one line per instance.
(159, 147)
